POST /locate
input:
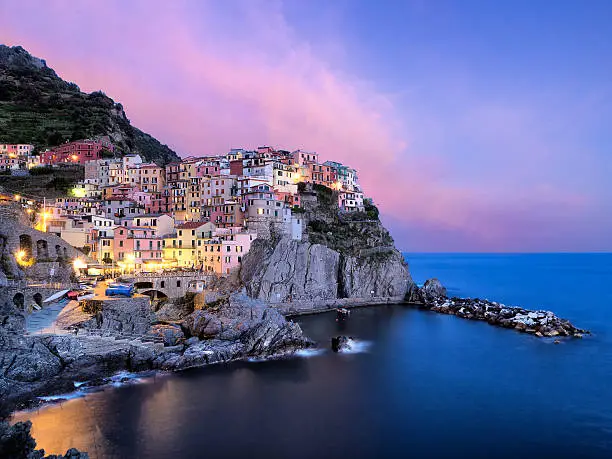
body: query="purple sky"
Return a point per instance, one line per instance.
(474, 125)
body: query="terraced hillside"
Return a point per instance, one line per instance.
(38, 107)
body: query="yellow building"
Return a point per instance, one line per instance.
(182, 246)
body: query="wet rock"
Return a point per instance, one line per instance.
(342, 343)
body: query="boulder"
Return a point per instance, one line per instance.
(202, 324)
(172, 335)
(433, 290)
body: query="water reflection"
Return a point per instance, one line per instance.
(430, 385)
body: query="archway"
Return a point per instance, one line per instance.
(155, 294)
(139, 285)
(42, 249)
(38, 299)
(19, 300)
(25, 245)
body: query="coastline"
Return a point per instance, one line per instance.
(105, 380)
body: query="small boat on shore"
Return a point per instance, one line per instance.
(56, 296)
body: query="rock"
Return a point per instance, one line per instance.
(16, 440)
(433, 290)
(290, 270)
(172, 335)
(286, 270)
(538, 323)
(202, 324)
(342, 343)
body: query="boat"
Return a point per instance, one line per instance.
(118, 289)
(56, 296)
(86, 296)
(342, 313)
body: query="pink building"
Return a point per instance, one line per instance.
(224, 253)
(136, 246)
(77, 152)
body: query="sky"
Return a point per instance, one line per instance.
(475, 126)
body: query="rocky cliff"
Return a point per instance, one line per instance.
(38, 107)
(341, 257)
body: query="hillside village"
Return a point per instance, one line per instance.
(199, 213)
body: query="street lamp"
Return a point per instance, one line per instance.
(78, 264)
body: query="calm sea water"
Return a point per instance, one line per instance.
(421, 385)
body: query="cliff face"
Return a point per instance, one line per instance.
(342, 257)
(38, 107)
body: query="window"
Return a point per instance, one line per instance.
(162, 284)
(178, 283)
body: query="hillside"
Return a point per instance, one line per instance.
(38, 107)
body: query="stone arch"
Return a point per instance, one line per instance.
(143, 284)
(38, 299)
(19, 300)
(42, 249)
(155, 294)
(25, 244)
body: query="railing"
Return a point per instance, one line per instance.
(194, 274)
(45, 284)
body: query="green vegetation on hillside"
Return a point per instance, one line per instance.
(38, 107)
(348, 233)
(43, 181)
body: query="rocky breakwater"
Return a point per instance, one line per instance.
(432, 296)
(342, 260)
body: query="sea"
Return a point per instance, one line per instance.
(417, 385)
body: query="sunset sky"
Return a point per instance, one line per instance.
(474, 125)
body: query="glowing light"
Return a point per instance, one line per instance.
(78, 192)
(79, 264)
(21, 259)
(74, 158)
(17, 197)
(29, 211)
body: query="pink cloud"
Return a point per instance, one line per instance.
(182, 77)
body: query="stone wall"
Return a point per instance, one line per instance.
(16, 235)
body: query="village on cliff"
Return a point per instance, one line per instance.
(201, 213)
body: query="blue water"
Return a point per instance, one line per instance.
(423, 385)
